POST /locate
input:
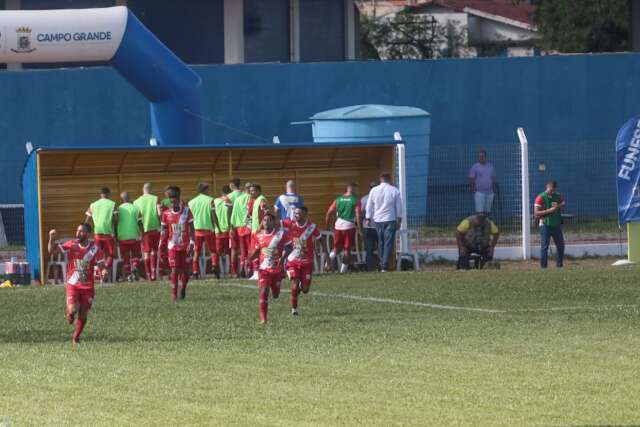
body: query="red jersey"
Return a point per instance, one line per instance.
(271, 247)
(303, 239)
(81, 263)
(177, 225)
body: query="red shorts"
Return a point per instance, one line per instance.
(344, 239)
(150, 241)
(222, 243)
(234, 243)
(269, 278)
(301, 272)
(106, 243)
(81, 296)
(179, 259)
(205, 236)
(130, 247)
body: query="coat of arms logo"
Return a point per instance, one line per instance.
(24, 41)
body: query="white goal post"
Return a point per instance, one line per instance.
(526, 208)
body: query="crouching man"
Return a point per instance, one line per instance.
(477, 235)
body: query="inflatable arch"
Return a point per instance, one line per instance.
(114, 35)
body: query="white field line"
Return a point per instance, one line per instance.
(578, 308)
(384, 300)
(426, 304)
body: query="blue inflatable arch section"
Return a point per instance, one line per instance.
(115, 35)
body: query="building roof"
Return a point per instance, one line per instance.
(501, 10)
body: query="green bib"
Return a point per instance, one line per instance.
(239, 212)
(554, 219)
(222, 214)
(128, 222)
(346, 207)
(102, 214)
(234, 195)
(147, 204)
(255, 214)
(201, 209)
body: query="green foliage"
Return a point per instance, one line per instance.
(574, 26)
(206, 361)
(408, 36)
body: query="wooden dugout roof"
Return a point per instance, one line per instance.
(60, 183)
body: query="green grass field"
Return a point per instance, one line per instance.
(554, 348)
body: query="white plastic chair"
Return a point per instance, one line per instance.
(59, 260)
(410, 234)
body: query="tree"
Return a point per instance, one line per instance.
(574, 26)
(409, 36)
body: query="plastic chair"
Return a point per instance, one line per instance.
(117, 260)
(410, 234)
(59, 260)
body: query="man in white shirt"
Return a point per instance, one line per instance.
(370, 234)
(384, 208)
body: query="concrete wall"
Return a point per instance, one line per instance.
(580, 100)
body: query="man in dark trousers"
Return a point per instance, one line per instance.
(548, 208)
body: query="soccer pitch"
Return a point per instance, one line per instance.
(507, 347)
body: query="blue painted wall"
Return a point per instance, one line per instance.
(580, 99)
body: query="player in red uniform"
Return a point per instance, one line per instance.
(177, 228)
(83, 256)
(271, 247)
(304, 235)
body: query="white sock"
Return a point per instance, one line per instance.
(344, 268)
(333, 255)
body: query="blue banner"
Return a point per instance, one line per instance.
(628, 161)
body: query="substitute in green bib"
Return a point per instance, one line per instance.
(238, 230)
(147, 205)
(347, 210)
(223, 206)
(548, 209)
(129, 224)
(104, 215)
(204, 219)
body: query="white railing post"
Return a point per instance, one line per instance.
(526, 208)
(402, 185)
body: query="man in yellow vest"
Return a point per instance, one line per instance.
(104, 215)
(239, 232)
(129, 224)
(147, 205)
(204, 218)
(223, 207)
(256, 208)
(234, 239)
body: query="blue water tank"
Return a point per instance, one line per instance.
(362, 123)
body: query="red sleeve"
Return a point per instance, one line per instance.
(358, 206)
(316, 233)
(539, 201)
(163, 217)
(66, 245)
(286, 239)
(99, 256)
(332, 207)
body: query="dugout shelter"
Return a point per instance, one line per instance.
(59, 183)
